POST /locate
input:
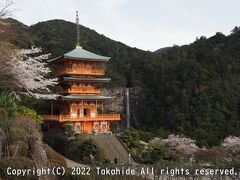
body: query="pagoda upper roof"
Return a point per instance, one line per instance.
(79, 98)
(85, 79)
(81, 54)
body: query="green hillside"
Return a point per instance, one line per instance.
(192, 89)
(162, 50)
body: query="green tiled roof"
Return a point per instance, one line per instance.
(81, 54)
(82, 79)
(78, 98)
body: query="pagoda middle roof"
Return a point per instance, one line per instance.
(79, 98)
(81, 54)
(86, 79)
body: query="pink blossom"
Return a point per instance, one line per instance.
(181, 145)
(28, 72)
(232, 144)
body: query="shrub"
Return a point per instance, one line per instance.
(69, 128)
(133, 152)
(159, 153)
(100, 155)
(57, 140)
(211, 155)
(29, 113)
(77, 149)
(16, 163)
(131, 138)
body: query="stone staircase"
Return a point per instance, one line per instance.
(115, 151)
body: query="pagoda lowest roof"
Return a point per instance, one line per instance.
(81, 54)
(85, 79)
(79, 98)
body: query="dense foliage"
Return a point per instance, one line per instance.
(77, 148)
(191, 90)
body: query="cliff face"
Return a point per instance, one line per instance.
(136, 104)
(22, 147)
(1, 141)
(38, 154)
(117, 105)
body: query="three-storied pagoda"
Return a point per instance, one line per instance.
(80, 102)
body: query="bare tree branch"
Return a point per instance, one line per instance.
(5, 10)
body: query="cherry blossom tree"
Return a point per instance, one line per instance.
(25, 72)
(232, 145)
(180, 145)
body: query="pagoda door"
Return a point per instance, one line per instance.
(86, 112)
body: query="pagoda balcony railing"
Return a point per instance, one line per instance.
(98, 117)
(80, 71)
(82, 91)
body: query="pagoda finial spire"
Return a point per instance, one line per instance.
(78, 32)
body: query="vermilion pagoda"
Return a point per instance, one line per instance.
(80, 101)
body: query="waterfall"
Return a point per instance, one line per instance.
(127, 108)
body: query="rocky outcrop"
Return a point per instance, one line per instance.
(137, 98)
(39, 157)
(38, 153)
(1, 141)
(137, 105)
(116, 106)
(33, 139)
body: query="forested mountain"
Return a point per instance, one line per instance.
(192, 90)
(162, 50)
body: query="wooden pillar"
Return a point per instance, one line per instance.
(82, 109)
(96, 107)
(102, 107)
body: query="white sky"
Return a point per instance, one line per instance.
(145, 24)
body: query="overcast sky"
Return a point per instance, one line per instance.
(145, 24)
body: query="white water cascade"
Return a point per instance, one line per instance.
(127, 108)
